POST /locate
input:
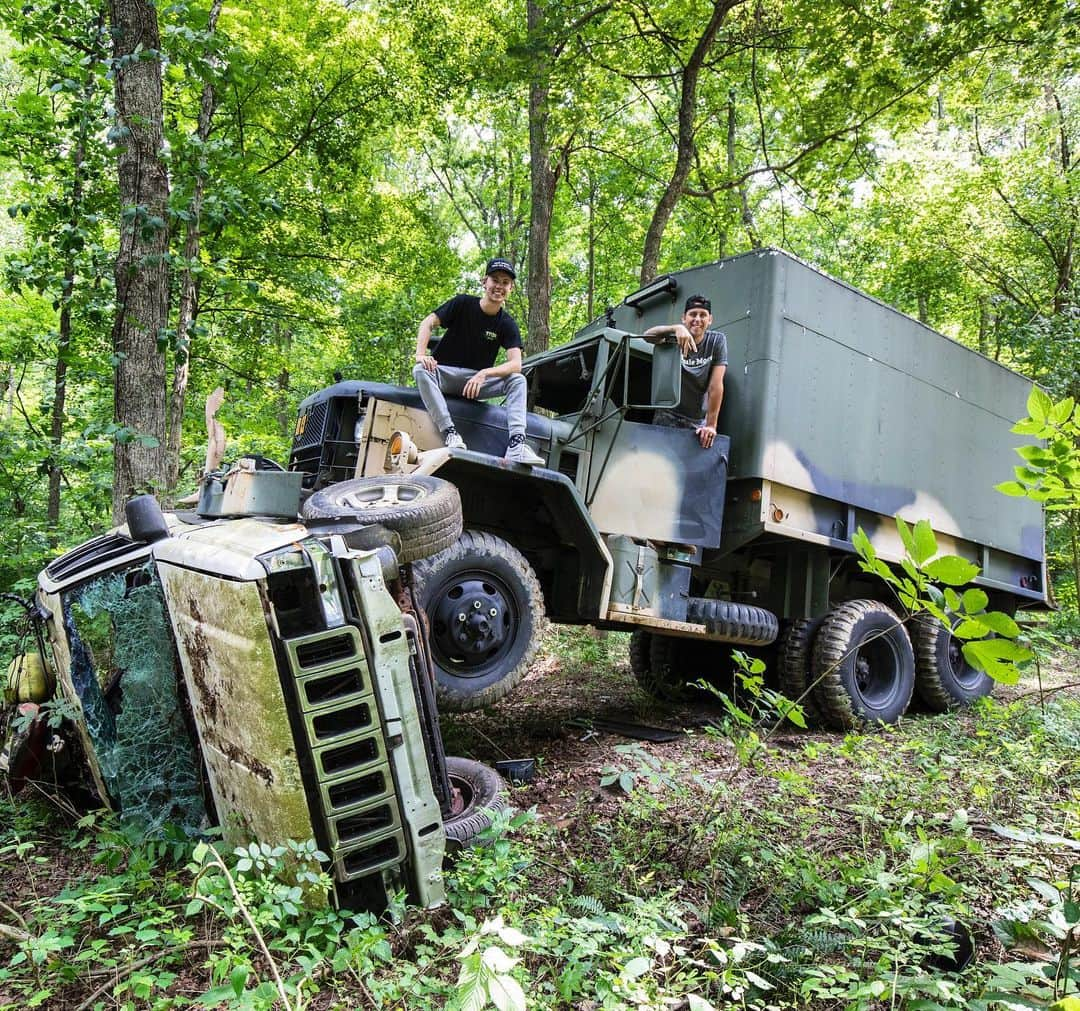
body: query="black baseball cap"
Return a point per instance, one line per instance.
(698, 302)
(499, 263)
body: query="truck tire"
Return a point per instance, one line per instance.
(863, 665)
(943, 678)
(738, 623)
(485, 610)
(425, 512)
(479, 792)
(640, 644)
(658, 665)
(793, 666)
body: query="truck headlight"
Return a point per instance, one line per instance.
(299, 575)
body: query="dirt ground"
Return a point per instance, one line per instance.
(553, 717)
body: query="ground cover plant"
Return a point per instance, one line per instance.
(744, 864)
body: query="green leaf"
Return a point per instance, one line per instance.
(952, 570)
(925, 543)
(1001, 623)
(1011, 488)
(506, 993)
(1062, 411)
(997, 657)
(1039, 404)
(906, 536)
(974, 601)
(636, 967)
(238, 979)
(861, 543)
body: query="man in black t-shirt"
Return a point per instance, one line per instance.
(704, 363)
(464, 360)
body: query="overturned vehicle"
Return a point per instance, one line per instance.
(839, 412)
(235, 666)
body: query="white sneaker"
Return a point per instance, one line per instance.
(454, 441)
(523, 453)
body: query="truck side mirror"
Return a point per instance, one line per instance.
(666, 374)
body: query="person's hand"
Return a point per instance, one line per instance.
(428, 362)
(472, 387)
(706, 434)
(686, 342)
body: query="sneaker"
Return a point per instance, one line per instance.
(452, 440)
(521, 452)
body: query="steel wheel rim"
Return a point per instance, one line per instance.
(385, 496)
(468, 639)
(875, 671)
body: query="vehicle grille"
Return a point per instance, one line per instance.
(98, 551)
(355, 799)
(314, 423)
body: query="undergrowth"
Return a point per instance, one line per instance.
(822, 872)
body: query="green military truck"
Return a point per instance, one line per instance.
(839, 413)
(232, 666)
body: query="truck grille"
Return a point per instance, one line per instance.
(355, 794)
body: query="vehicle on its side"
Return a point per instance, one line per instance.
(839, 413)
(236, 666)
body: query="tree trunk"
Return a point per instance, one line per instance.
(189, 285)
(56, 427)
(543, 177)
(684, 144)
(141, 275)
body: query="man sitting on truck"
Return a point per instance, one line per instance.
(704, 363)
(464, 360)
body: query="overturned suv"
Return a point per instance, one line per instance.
(241, 666)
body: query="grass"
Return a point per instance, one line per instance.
(811, 870)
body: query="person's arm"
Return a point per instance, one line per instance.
(676, 330)
(508, 368)
(423, 337)
(714, 397)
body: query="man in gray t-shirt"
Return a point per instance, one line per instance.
(704, 363)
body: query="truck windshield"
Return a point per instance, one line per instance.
(123, 668)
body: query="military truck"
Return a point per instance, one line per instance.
(839, 413)
(232, 666)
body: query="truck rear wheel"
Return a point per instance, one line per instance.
(793, 666)
(425, 512)
(478, 793)
(485, 609)
(863, 665)
(943, 678)
(656, 663)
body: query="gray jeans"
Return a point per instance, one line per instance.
(452, 379)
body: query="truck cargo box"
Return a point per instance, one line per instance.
(855, 412)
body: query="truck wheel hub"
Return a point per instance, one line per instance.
(471, 621)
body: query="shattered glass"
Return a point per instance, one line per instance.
(124, 670)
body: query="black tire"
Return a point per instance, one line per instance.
(501, 635)
(943, 678)
(425, 512)
(863, 665)
(663, 675)
(479, 792)
(793, 666)
(737, 623)
(640, 644)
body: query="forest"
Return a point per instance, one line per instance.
(259, 197)
(264, 197)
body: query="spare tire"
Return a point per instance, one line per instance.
(478, 792)
(737, 623)
(425, 512)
